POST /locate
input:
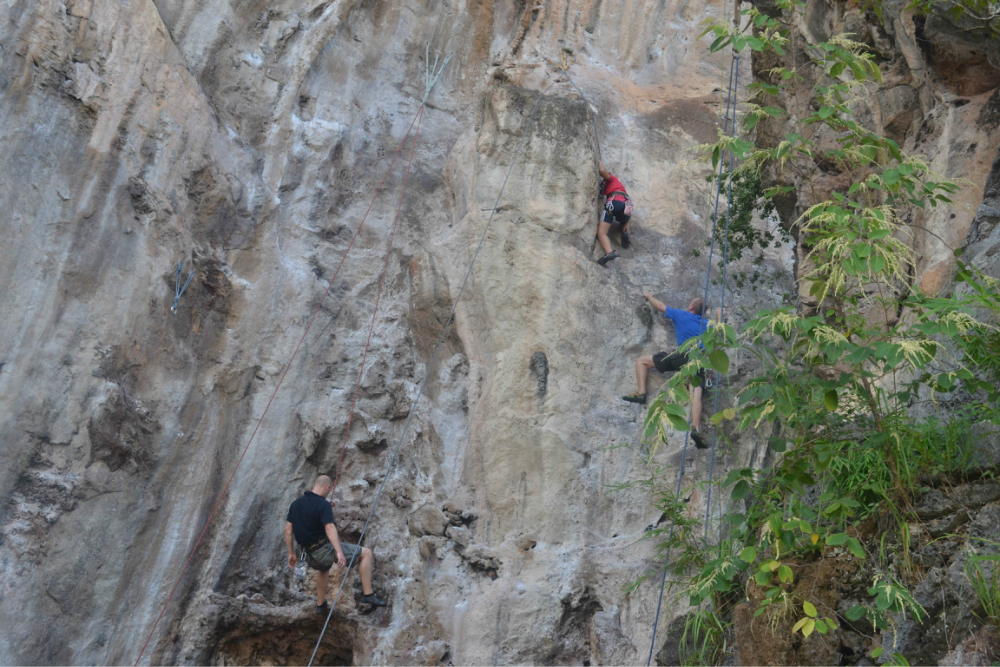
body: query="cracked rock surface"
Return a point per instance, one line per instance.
(246, 139)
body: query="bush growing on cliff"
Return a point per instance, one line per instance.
(841, 378)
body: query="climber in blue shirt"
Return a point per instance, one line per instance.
(687, 324)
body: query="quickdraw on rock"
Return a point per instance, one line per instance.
(178, 290)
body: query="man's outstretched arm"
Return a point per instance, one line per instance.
(656, 303)
(605, 174)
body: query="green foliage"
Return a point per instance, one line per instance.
(984, 574)
(748, 203)
(704, 638)
(889, 598)
(838, 378)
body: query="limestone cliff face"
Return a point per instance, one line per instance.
(246, 138)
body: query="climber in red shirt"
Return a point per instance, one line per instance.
(617, 209)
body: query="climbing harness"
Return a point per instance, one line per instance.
(178, 290)
(253, 435)
(427, 374)
(730, 129)
(609, 205)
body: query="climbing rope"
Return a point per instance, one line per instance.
(371, 327)
(725, 262)
(730, 129)
(427, 374)
(274, 393)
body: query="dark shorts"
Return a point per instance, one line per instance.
(324, 557)
(614, 211)
(672, 362)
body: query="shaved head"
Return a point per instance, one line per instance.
(322, 485)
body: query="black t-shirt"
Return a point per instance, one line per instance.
(309, 516)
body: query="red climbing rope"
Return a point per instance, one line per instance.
(371, 327)
(282, 379)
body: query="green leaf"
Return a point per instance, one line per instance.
(771, 592)
(836, 539)
(855, 548)
(821, 627)
(784, 574)
(799, 624)
(890, 176)
(755, 43)
(825, 112)
(855, 613)
(763, 578)
(809, 608)
(729, 413)
(831, 400)
(741, 490)
(808, 628)
(679, 423)
(805, 527)
(749, 554)
(719, 360)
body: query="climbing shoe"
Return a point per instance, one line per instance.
(373, 600)
(626, 241)
(607, 258)
(635, 398)
(699, 441)
(323, 609)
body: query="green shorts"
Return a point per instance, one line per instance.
(324, 557)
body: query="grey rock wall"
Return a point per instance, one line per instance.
(246, 139)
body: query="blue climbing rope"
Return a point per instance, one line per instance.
(729, 129)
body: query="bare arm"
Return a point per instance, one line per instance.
(656, 303)
(605, 174)
(331, 534)
(292, 559)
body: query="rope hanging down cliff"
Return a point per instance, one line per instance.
(430, 368)
(730, 129)
(330, 284)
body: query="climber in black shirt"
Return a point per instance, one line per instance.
(310, 519)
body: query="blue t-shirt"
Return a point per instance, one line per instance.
(686, 324)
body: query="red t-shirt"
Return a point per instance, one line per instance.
(614, 185)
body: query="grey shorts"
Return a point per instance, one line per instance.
(324, 557)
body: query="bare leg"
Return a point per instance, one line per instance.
(321, 579)
(602, 236)
(696, 408)
(365, 569)
(642, 366)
